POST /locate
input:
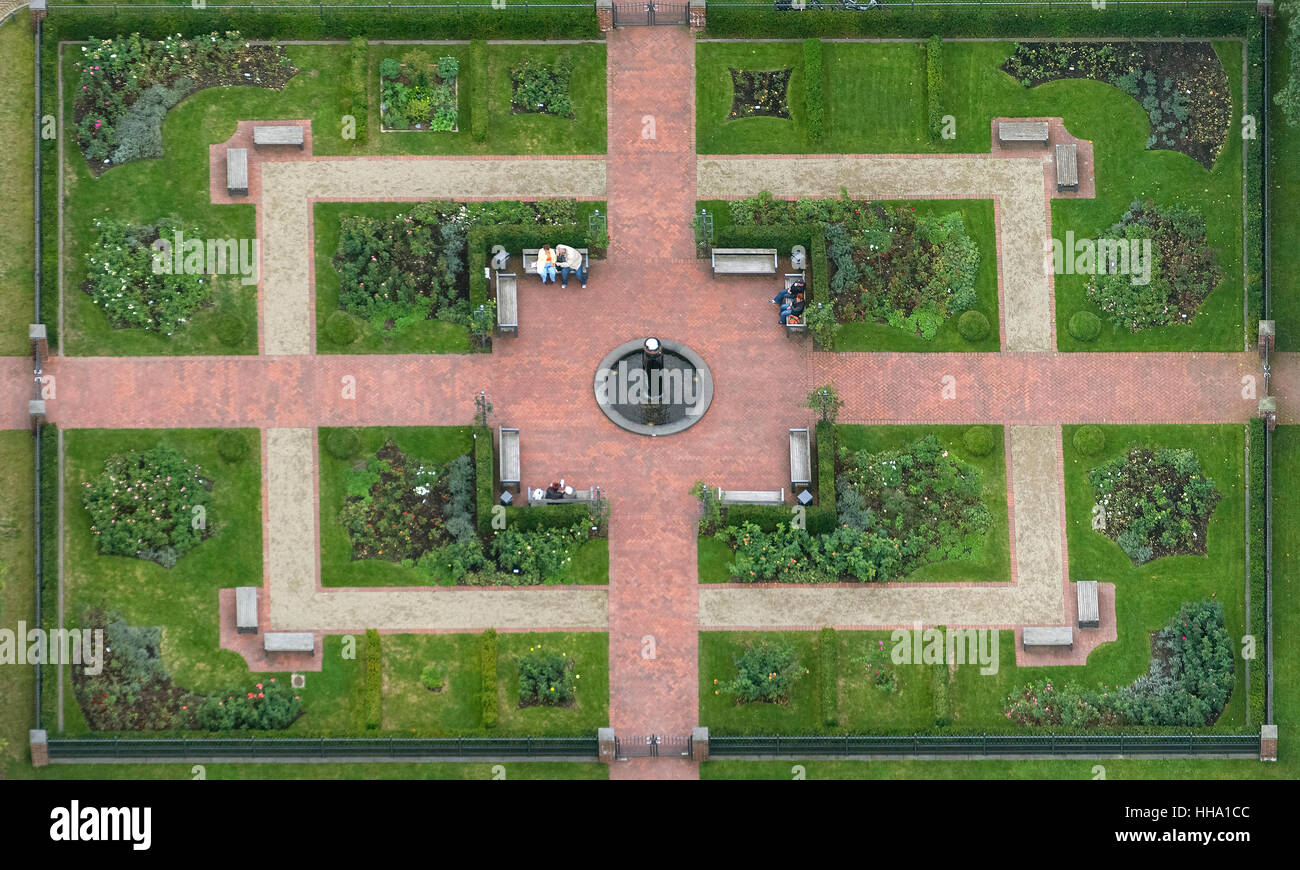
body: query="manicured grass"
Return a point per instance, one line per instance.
(554, 770)
(993, 564)
(1284, 219)
(1173, 769)
(1286, 606)
(17, 246)
(182, 599)
(714, 134)
(17, 593)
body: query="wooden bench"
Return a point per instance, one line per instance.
(1052, 636)
(744, 261)
(508, 439)
(1086, 593)
(800, 326)
(507, 303)
(751, 496)
(800, 458)
(530, 261)
(237, 171)
(246, 609)
(1067, 167)
(1023, 131)
(289, 641)
(278, 134)
(537, 496)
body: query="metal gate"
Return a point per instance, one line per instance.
(644, 14)
(652, 746)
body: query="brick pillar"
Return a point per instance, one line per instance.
(1268, 743)
(36, 8)
(39, 743)
(697, 14)
(699, 744)
(40, 344)
(36, 411)
(605, 17)
(1267, 336)
(1264, 7)
(605, 744)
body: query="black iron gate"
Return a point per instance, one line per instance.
(652, 746)
(644, 14)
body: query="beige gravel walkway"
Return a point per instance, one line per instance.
(1017, 185)
(292, 562)
(288, 187)
(1037, 560)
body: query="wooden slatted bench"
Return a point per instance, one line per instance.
(278, 134)
(800, 458)
(246, 609)
(289, 641)
(1023, 131)
(237, 171)
(744, 261)
(751, 496)
(1067, 167)
(507, 303)
(530, 261)
(1086, 594)
(508, 439)
(1050, 636)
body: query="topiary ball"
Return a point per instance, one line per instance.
(343, 443)
(1089, 440)
(229, 329)
(1085, 326)
(232, 446)
(978, 440)
(973, 326)
(341, 328)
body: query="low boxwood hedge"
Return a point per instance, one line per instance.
(973, 326)
(487, 663)
(374, 681)
(828, 674)
(819, 519)
(1084, 326)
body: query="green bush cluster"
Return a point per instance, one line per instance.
(432, 677)
(1089, 440)
(268, 706)
(136, 285)
(232, 446)
(818, 519)
(973, 326)
(359, 86)
(143, 505)
(229, 329)
(547, 678)
(814, 97)
(537, 87)
(139, 129)
(1084, 326)
(766, 671)
(541, 556)
(710, 507)
(940, 694)
(343, 444)
(341, 328)
(478, 90)
(978, 440)
(551, 516)
(934, 84)
(416, 95)
(487, 665)
(484, 469)
(373, 688)
(828, 673)
(825, 434)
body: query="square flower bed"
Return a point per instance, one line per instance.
(541, 88)
(760, 94)
(417, 94)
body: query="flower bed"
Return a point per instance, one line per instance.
(417, 94)
(547, 678)
(765, 672)
(1155, 502)
(1182, 86)
(145, 505)
(133, 287)
(1183, 269)
(128, 83)
(759, 94)
(539, 88)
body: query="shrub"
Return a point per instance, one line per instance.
(229, 329)
(484, 465)
(374, 681)
(542, 88)
(1156, 502)
(1089, 440)
(826, 465)
(134, 285)
(880, 668)
(978, 440)
(973, 326)
(940, 694)
(551, 516)
(341, 328)
(232, 446)
(359, 84)
(828, 673)
(269, 706)
(432, 677)
(169, 485)
(139, 130)
(814, 102)
(390, 68)
(487, 663)
(934, 84)
(1085, 326)
(766, 671)
(478, 90)
(710, 507)
(448, 68)
(542, 556)
(547, 678)
(343, 444)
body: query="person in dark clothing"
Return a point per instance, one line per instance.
(789, 293)
(795, 308)
(555, 490)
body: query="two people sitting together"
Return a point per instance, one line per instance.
(791, 300)
(564, 261)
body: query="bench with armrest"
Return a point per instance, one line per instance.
(751, 496)
(508, 446)
(1023, 131)
(744, 261)
(278, 134)
(530, 261)
(507, 303)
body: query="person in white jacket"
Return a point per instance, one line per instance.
(570, 261)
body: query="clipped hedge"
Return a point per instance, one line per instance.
(814, 97)
(1089, 440)
(372, 703)
(229, 329)
(551, 516)
(978, 440)
(484, 480)
(1084, 326)
(819, 519)
(232, 445)
(487, 663)
(478, 90)
(973, 325)
(934, 83)
(829, 674)
(1256, 691)
(826, 464)
(343, 444)
(1255, 179)
(358, 83)
(940, 695)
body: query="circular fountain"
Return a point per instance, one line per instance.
(652, 386)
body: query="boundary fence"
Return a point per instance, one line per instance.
(183, 748)
(990, 745)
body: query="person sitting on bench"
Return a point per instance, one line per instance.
(794, 309)
(546, 264)
(790, 292)
(555, 490)
(570, 261)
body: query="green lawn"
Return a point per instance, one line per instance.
(553, 770)
(888, 116)
(17, 593)
(992, 564)
(1171, 769)
(17, 246)
(1284, 218)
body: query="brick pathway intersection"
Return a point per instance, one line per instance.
(651, 284)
